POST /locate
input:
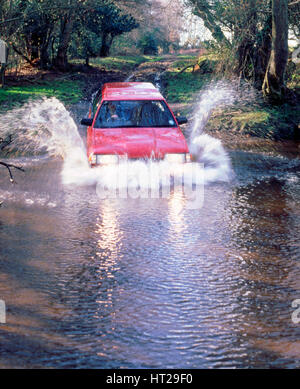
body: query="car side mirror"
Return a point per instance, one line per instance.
(181, 120)
(87, 121)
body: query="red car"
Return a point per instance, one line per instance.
(133, 120)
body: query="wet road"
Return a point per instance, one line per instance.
(149, 283)
(134, 283)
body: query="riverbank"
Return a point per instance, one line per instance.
(248, 121)
(248, 124)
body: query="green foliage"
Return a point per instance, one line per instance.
(108, 21)
(85, 44)
(148, 44)
(43, 27)
(255, 119)
(113, 21)
(33, 29)
(95, 31)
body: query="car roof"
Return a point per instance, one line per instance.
(130, 91)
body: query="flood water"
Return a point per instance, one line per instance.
(149, 283)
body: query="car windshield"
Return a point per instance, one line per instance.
(129, 113)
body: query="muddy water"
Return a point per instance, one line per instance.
(149, 283)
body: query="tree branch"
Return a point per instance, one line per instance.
(22, 55)
(203, 11)
(5, 142)
(34, 13)
(187, 67)
(294, 3)
(9, 166)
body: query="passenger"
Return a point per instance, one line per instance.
(150, 114)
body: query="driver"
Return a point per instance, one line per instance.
(112, 112)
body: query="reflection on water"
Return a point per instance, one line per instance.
(265, 223)
(176, 205)
(150, 283)
(107, 249)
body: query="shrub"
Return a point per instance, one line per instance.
(148, 45)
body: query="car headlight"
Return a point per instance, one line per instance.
(107, 159)
(178, 158)
(92, 159)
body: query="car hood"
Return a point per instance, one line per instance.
(139, 142)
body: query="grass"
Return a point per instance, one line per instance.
(182, 87)
(265, 121)
(67, 91)
(251, 118)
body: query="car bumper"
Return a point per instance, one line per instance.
(113, 159)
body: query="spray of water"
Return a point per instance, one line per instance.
(46, 127)
(204, 148)
(43, 127)
(216, 95)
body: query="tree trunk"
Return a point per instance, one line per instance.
(44, 50)
(44, 60)
(34, 55)
(274, 85)
(61, 59)
(105, 46)
(262, 53)
(2, 74)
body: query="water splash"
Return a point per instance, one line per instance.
(216, 95)
(205, 148)
(209, 151)
(43, 127)
(46, 128)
